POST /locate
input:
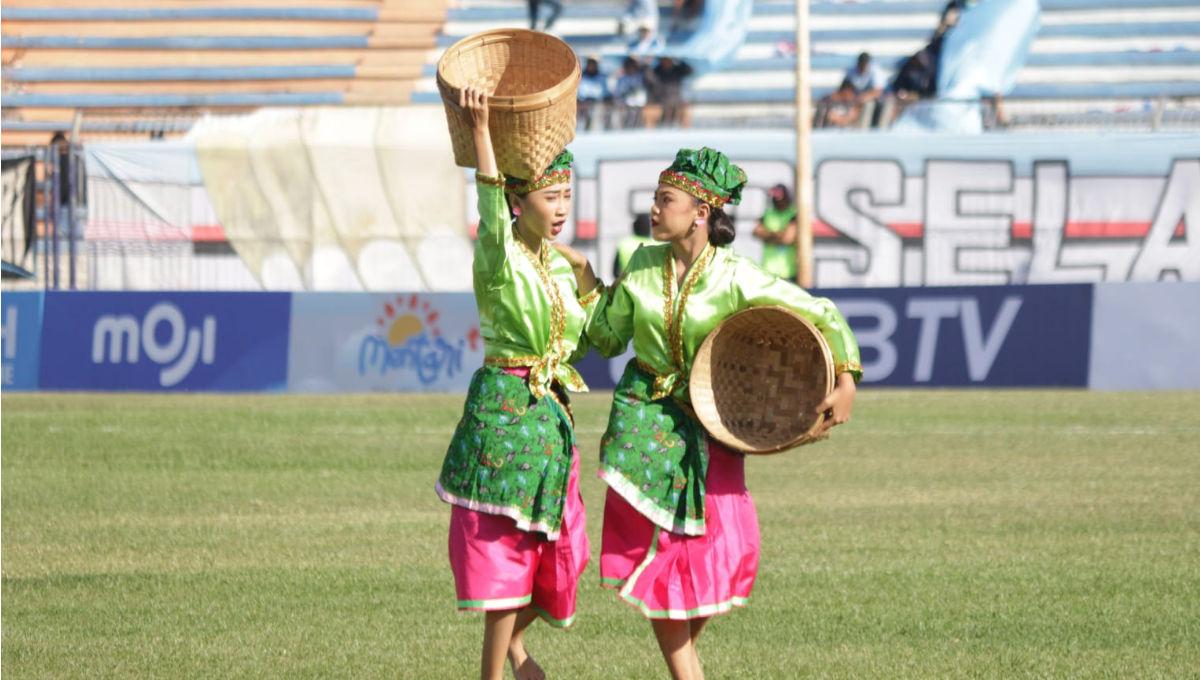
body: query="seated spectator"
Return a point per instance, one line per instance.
(667, 106)
(916, 79)
(867, 83)
(917, 76)
(840, 109)
(629, 93)
(639, 13)
(865, 78)
(593, 96)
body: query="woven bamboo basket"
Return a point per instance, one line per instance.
(758, 378)
(531, 81)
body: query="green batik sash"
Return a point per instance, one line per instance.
(511, 453)
(655, 455)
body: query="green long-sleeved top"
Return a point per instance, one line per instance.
(653, 453)
(530, 313)
(667, 323)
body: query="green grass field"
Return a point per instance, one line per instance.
(941, 534)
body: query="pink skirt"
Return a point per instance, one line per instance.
(673, 576)
(498, 566)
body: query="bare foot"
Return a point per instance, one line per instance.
(523, 665)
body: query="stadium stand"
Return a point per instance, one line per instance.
(150, 66)
(1095, 62)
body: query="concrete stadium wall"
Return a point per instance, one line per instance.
(1103, 336)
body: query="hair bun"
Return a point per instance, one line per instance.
(721, 230)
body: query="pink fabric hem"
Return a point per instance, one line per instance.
(487, 508)
(499, 566)
(673, 576)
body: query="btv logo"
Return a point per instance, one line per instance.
(183, 346)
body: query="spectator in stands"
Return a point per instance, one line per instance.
(639, 13)
(629, 245)
(646, 43)
(950, 14)
(665, 82)
(593, 96)
(866, 79)
(917, 75)
(629, 93)
(840, 109)
(555, 9)
(916, 78)
(861, 88)
(777, 231)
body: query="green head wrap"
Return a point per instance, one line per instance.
(559, 172)
(706, 174)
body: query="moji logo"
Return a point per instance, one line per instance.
(162, 336)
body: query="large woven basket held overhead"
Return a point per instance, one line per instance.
(758, 378)
(531, 80)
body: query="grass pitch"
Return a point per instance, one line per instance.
(941, 534)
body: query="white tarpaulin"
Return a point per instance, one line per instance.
(339, 199)
(147, 208)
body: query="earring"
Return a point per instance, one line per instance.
(516, 211)
(700, 222)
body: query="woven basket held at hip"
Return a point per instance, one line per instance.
(757, 379)
(530, 79)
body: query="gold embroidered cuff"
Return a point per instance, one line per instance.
(852, 367)
(590, 298)
(497, 181)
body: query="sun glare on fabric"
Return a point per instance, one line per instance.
(403, 318)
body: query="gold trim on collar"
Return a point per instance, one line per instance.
(543, 371)
(672, 320)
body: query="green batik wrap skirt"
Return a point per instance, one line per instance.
(654, 455)
(511, 453)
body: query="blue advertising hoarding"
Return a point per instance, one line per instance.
(22, 339)
(165, 341)
(1116, 336)
(988, 336)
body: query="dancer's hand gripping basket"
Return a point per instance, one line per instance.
(758, 378)
(531, 81)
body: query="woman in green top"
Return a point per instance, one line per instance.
(517, 542)
(777, 231)
(680, 539)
